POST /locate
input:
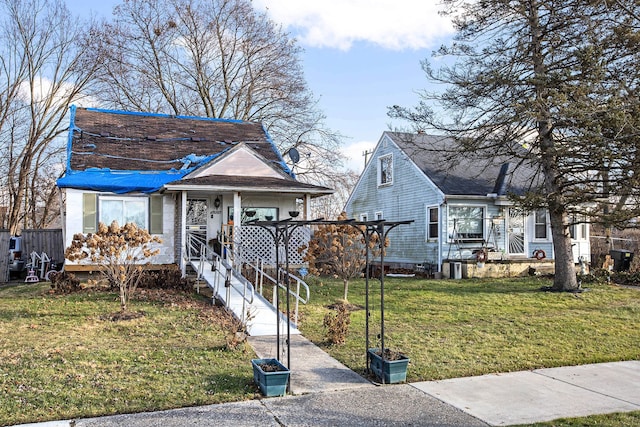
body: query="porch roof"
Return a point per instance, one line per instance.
(245, 183)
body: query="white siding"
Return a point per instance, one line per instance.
(74, 225)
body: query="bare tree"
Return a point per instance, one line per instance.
(330, 207)
(340, 250)
(43, 72)
(547, 83)
(217, 58)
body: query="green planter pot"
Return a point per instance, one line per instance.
(270, 383)
(389, 371)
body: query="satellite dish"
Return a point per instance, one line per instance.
(294, 155)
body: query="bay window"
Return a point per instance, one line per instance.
(465, 223)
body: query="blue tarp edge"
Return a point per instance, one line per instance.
(119, 182)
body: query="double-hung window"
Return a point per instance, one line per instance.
(432, 223)
(541, 224)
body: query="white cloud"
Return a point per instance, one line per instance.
(391, 24)
(353, 154)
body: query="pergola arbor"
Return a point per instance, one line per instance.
(281, 232)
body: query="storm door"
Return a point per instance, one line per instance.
(516, 231)
(196, 226)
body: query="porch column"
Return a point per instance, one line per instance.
(306, 206)
(237, 215)
(183, 232)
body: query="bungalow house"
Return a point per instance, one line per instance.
(460, 207)
(179, 177)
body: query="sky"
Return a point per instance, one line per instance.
(360, 57)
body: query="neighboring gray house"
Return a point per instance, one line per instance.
(459, 209)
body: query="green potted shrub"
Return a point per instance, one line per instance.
(271, 376)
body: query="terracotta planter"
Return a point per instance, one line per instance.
(272, 381)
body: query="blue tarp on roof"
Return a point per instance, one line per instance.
(119, 182)
(126, 181)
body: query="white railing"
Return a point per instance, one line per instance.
(198, 252)
(241, 256)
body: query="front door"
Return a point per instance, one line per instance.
(516, 232)
(196, 226)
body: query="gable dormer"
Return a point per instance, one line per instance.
(241, 160)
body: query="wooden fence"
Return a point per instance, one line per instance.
(4, 260)
(48, 241)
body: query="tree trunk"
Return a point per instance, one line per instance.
(346, 289)
(123, 298)
(565, 277)
(565, 273)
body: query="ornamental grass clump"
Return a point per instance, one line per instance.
(120, 252)
(337, 324)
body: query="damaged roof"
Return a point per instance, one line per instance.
(120, 140)
(122, 152)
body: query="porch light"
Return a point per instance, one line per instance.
(217, 202)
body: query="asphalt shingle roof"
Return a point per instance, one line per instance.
(461, 174)
(149, 142)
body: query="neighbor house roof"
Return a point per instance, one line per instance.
(122, 152)
(463, 174)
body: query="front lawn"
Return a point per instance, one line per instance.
(457, 328)
(62, 358)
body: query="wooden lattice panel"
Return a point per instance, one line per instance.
(260, 242)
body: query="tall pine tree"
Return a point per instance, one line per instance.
(550, 83)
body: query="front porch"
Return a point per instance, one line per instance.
(210, 220)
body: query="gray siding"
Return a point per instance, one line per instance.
(408, 198)
(405, 199)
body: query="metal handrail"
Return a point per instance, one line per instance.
(235, 256)
(206, 255)
(240, 254)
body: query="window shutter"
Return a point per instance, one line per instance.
(155, 215)
(89, 213)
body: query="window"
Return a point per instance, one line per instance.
(124, 210)
(385, 170)
(379, 216)
(578, 229)
(432, 223)
(145, 212)
(540, 224)
(261, 214)
(364, 217)
(466, 223)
